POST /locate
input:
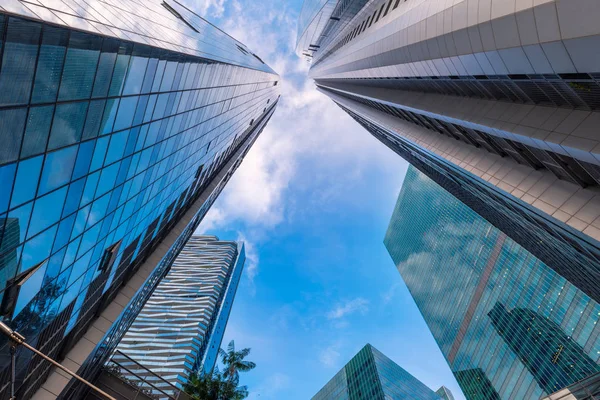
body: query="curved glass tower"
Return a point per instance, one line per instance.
(120, 122)
(179, 331)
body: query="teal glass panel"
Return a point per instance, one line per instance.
(7, 177)
(80, 66)
(12, 125)
(50, 64)
(18, 61)
(37, 130)
(68, 124)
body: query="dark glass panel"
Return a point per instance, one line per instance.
(18, 61)
(37, 130)
(118, 77)
(74, 197)
(7, 177)
(110, 113)
(84, 158)
(80, 66)
(106, 65)
(12, 124)
(93, 120)
(68, 124)
(19, 218)
(50, 64)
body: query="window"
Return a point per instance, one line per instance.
(109, 256)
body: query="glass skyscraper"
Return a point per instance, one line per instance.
(371, 375)
(180, 329)
(444, 393)
(497, 103)
(509, 326)
(120, 124)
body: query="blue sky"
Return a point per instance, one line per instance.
(312, 201)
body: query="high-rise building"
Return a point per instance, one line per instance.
(371, 375)
(509, 326)
(120, 124)
(444, 393)
(498, 103)
(180, 329)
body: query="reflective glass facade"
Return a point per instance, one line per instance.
(180, 329)
(109, 136)
(508, 325)
(371, 375)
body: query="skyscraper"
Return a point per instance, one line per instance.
(508, 325)
(121, 122)
(371, 375)
(180, 329)
(498, 103)
(444, 393)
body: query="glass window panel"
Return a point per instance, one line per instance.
(80, 66)
(12, 124)
(135, 76)
(46, 211)
(57, 169)
(106, 65)
(29, 289)
(28, 174)
(7, 177)
(93, 120)
(149, 77)
(118, 143)
(50, 64)
(158, 76)
(37, 130)
(70, 254)
(125, 114)
(9, 264)
(18, 61)
(37, 249)
(64, 232)
(110, 112)
(68, 124)
(150, 108)
(118, 77)
(54, 265)
(84, 158)
(90, 188)
(161, 104)
(74, 197)
(140, 110)
(99, 153)
(18, 221)
(168, 77)
(107, 180)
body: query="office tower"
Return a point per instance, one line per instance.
(180, 329)
(498, 102)
(444, 393)
(508, 325)
(120, 123)
(371, 375)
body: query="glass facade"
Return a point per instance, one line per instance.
(180, 329)
(444, 393)
(509, 326)
(107, 141)
(371, 375)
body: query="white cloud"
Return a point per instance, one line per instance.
(359, 305)
(208, 8)
(330, 356)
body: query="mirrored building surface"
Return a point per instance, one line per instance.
(120, 124)
(509, 326)
(497, 103)
(179, 331)
(371, 375)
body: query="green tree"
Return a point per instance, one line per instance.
(234, 363)
(214, 387)
(222, 386)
